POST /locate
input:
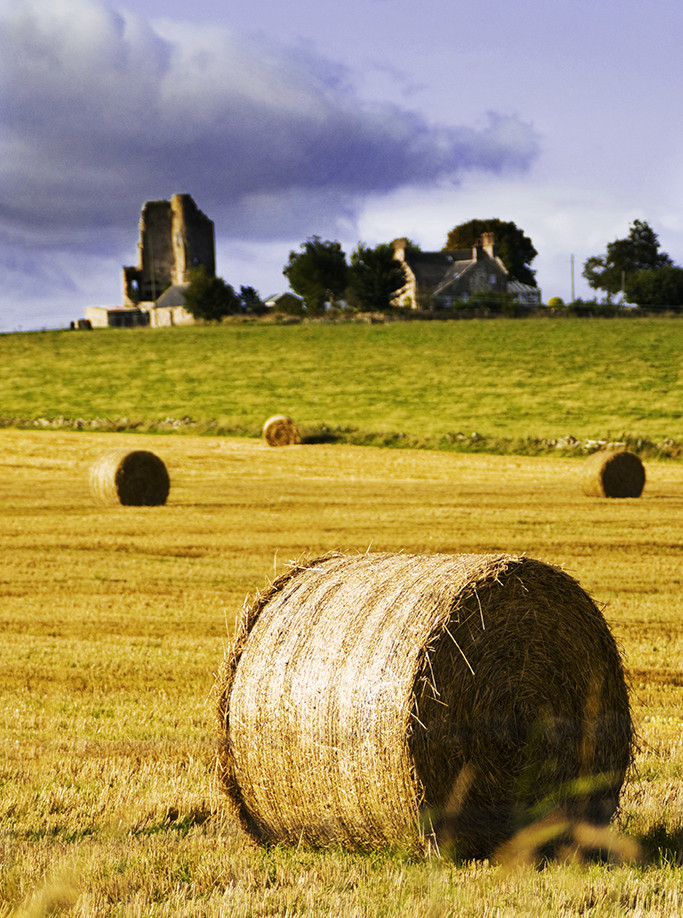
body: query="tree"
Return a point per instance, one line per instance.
(375, 277)
(624, 257)
(318, 273)
(656, 287)
(251, 301)
(514, 248)
(209, 297)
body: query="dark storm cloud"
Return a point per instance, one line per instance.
(101, 111)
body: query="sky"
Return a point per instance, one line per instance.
(358, 122)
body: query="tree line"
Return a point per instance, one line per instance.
(636, 267)
(370, 280)
(318, 273)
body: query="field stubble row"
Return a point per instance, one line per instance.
(114, 621)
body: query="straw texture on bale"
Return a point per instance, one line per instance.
(422, 700)
(613, 473)
(135, 479)
(281, 431)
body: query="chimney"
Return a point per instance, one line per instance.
(488, 244)
(485, 244)
(400, 248)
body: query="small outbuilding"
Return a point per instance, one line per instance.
(285, 302)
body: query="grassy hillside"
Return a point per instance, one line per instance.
(113, 621)
(514, 383)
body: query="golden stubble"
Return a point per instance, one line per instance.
(113, 622)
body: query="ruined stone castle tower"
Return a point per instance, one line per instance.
(175, 236)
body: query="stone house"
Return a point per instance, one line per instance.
(116, 317)
(438, 279)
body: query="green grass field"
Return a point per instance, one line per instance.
(513, 382)
(114, 620)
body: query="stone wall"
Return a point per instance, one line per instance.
(175, 236)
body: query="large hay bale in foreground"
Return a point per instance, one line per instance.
(423, 700)
(135, 479)
(280, 430)
(613, 473)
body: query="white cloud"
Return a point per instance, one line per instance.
(102, 111)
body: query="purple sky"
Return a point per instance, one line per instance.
(359, 121)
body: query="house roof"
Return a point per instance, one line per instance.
(279, 297)
(173, 296)
(430, 268)
(515, 286)
(435, 271)
(456, 270)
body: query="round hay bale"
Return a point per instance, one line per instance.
(613, 473)
(134, 479)
(281, 431)
(432, 701)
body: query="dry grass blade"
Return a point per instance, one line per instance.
(428, 700)
(613, 473)
(280, 430)
(135, 479)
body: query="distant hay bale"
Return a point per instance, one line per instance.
(426, 700)
(279, 430)
(613, 473)
(135, 479)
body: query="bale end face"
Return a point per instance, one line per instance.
(280, 430)
(132, 479)
(613, 473)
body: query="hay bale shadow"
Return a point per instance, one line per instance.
(663, 844)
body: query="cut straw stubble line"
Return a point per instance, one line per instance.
(361, 688)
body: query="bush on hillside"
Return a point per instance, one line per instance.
(210, 297)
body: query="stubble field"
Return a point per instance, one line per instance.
(113, 622)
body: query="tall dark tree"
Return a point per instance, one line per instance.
(639, 251)
(318, 273)
(375, 277)
(210, 297)
(515, 249)
(656, 287)
(251, 301)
